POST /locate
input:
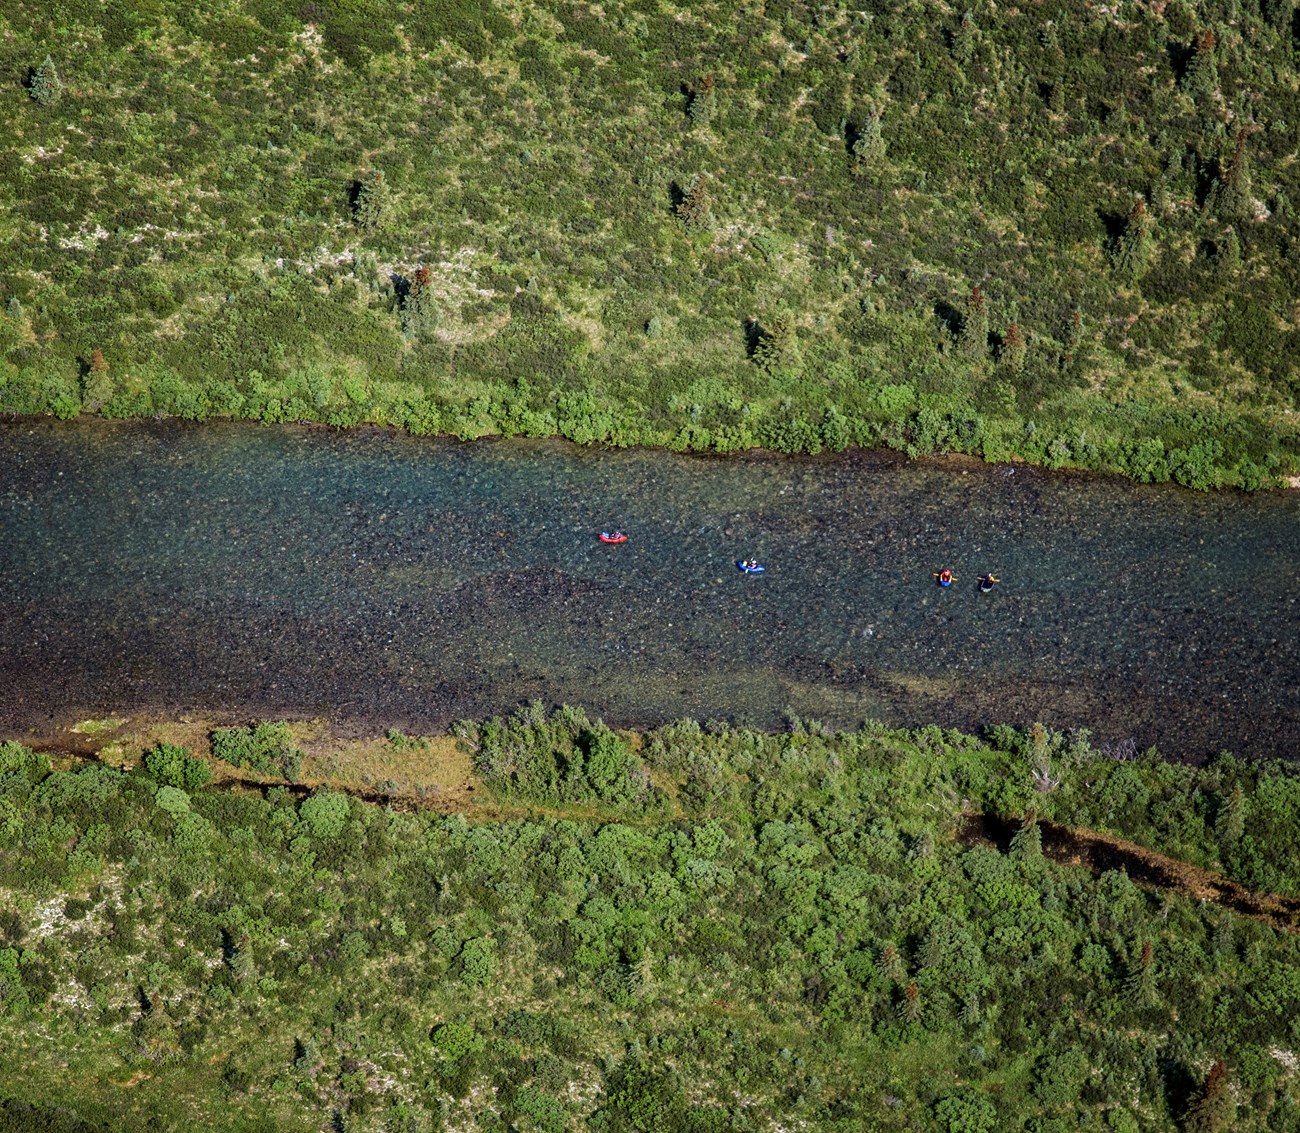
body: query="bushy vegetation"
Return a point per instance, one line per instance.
(793, 935)
(264, 748)
(633, 224)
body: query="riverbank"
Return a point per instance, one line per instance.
(1199, 450)
(441, 775)
(690, 923)
(1121, 302)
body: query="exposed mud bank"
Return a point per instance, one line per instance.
(1099, 852)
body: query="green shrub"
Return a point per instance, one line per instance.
(173, 800)
(265, 748)
(325, 815)
(456, 1040)
(966, 1112)
(174, 767)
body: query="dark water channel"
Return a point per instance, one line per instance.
(379, 579)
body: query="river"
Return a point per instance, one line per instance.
(238, 572)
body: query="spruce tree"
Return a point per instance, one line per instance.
(1215, 1110)
(1161, 200)
(869, 145)
(242, 965)
(1235, 198)
(46, 87)
(1139, 984)
(1228, 257)
(963, 39)
(909, 1006)
(1201, 79)
(97, 387)
(777, 349)
(891, 964)
(1073, 336)
(1230, 822)
(704, 101)
(974, 338)
(374, 204)
(15, 327)
(1027, 842)
(1222, 941)
(695, 210)
(1014, 349)
(1135, 248)
(421, 314)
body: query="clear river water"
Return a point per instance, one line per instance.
(379, 579)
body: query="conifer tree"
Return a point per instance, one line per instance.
(963, 39)
(1228, 258)
(974, 338)
(1013, 349)
(1139, 985)
(641, 978)
(421, 314)
(374, 204)
(1135, 248)
(12, 327)
(242, 965)
(704, 101)
(922, 848)
(777, 349)
(1027, 842)
(1161, 200)
(1201, 79)
(869, 145)
(1230, 822)
(1235, 198)
(1215, 1110)
(909, 1006)
(1073, 336)
(891, 964)
(1222, 941)
(46, 86)
(97, 386)
(695, 210)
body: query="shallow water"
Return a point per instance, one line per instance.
(381, 579)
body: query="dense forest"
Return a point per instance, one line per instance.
(1060, 231)
(700, 928)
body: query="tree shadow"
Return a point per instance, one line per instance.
(1208, 173)
(852, 133)
(1115, 225)
(1180, 58)
(948, 315)
(1180, 1086)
